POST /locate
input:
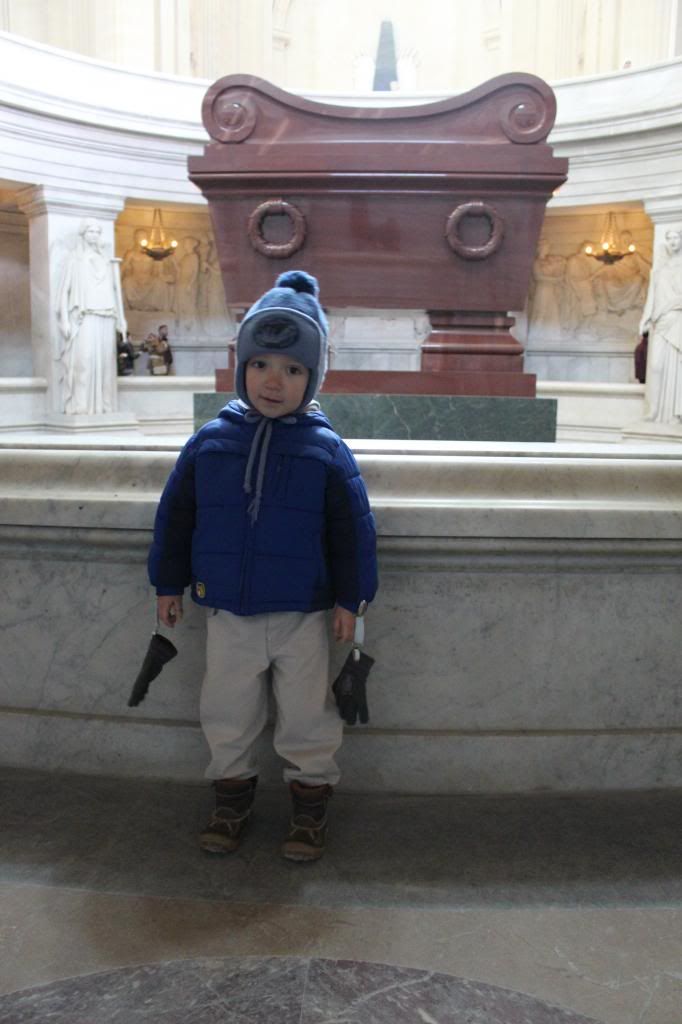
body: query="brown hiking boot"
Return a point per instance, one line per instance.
(225, 827)
(308, 824)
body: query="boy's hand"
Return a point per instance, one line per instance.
(169, 609)
(344, 624)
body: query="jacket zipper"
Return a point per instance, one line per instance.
(246, 564)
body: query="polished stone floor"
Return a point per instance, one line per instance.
(267, 990)
(476, 909)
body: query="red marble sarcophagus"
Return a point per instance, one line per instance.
(436, 206)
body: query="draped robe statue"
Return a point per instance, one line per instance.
(662, 318)
(89, 312)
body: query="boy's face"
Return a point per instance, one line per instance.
(275, 384)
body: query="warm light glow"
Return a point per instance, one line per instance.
(157, 246)
(611, 247)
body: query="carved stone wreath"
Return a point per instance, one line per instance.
(276, 250)
(474, 208)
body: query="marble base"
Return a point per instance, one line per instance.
(593, 412)
(424, 417)
(645, 430)
(598, 366)
(144, 743)
(101, 422)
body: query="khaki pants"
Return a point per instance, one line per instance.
(243, 655)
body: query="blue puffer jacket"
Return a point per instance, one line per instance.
(312, 543)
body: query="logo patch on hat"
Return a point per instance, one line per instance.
(200, 589)
(275, 333)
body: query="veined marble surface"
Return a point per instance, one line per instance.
(278, 990)
(526, 632)
(424, 417)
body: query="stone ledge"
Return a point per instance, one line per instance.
(538, 494)
(397, 553)
(391, 762)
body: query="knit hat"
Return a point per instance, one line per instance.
(288, 320)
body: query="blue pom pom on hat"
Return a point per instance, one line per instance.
(287, 319)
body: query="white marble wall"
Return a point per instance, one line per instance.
(521, 642)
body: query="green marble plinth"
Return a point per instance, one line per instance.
(423, 417)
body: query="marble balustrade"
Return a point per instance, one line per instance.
(526, 634)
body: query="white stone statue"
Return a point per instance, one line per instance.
(544, 313)
(89, 312)
(662, 318)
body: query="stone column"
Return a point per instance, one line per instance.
(55, 217)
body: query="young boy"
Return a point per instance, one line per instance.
(266, 517)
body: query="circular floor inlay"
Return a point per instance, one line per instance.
(276, 990)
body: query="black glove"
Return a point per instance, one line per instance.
(159, 653)
(350, 688)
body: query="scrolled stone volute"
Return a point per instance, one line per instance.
(228, 112)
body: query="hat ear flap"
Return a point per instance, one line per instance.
(240, 382)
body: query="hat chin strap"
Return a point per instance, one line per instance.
(259, 450)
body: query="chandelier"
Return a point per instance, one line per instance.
(611, 247)
(158, 246)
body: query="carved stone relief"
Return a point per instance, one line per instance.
(184, 290)
(583, 314)
(545, 315)
(579, 296)
(213, 312)
(147, 284)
